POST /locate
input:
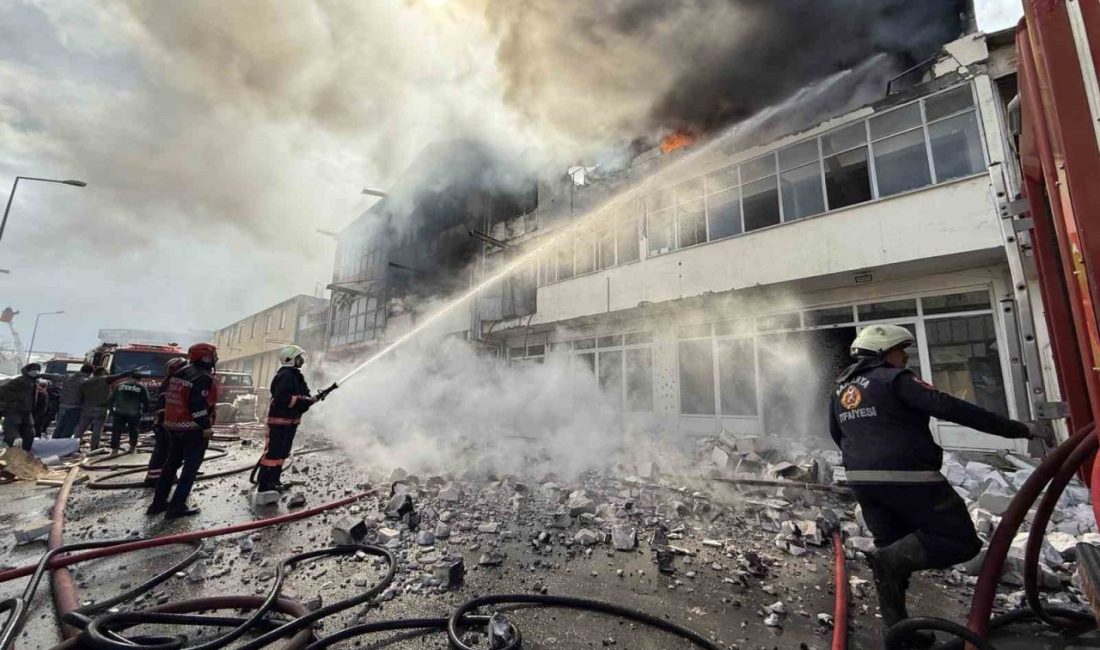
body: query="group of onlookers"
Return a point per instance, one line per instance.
(81, 402)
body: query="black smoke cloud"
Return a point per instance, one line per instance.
(623, 68)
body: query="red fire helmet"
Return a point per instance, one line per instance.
(204, 352)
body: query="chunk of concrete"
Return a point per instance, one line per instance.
(398, 474)
(296, 501)
(265, 498)
(994, 499)
(425, 538)
(387, 535)
(450, 573)
(579, 503)
(349, 531)
(450, 493)
(625, 538)
(29, 531)
(587, 537)
(442, 530)
(862, 544)
(489, 528)
(1064, 543)
(399, 505)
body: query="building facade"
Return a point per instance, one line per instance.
(251, 344)
(721, 288)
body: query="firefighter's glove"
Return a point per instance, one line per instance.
(207, 433)
(1041, 431)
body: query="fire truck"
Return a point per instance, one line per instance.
(148, 359)
(63, 365)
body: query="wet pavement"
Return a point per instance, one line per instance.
(709, 592)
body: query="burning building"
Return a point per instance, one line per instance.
(718, 286)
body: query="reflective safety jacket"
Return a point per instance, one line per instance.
(189, 400)
(879, 419)
(289, 397)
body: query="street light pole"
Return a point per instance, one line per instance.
(34, 333)
(14, 185)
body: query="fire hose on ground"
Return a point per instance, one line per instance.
(1053, 474)
(99, 627)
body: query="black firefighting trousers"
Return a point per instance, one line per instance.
(280, 440)
(933, 512)
(185, 454)
(159, 455)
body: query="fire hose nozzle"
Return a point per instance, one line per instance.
(323, 393)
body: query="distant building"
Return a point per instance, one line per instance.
(252, 344)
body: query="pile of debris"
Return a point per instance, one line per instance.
(988, 491)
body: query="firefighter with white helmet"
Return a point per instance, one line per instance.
(879, 418)
(290, 399)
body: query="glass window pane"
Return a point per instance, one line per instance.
(798, 155)
(956, 147)
(689, 191)
(972, 300)
(611, 374)
(736, 327)
(691, 221)
(586, 361)
(801, 191)
(829, 316)
(778, 322)
(693, 331)
(639, 379)
(659, 200)
(585, 253)
(584, 344)
(610, 341)
(964, 360)
(847, 178)
(660, 232)
(536, 350)
(626, 241)
(948, 103)
(901, 163)
(885, 310)
(761, 204)
(844, 138)
(605, 249)
(565, 258)
(696, 377)
(515, 353)
(722, 180)
(737, 376)
(634, 338)
(896, 121)
(758, 168)
(724, 214)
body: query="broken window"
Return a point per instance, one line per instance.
(829, 316)
(847, 178)
(760, 201)
(965, 362)
(627, 235)
(659, 222)
(565, 257)
(639, 379)
(696, 377)
(737, 376)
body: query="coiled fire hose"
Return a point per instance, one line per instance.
(1052, 474)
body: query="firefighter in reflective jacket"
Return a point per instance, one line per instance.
(189, 403)
(160, 436)
(879, 419)
(290, 398)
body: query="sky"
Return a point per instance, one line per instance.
(217, 138)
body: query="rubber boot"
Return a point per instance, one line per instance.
(892, 566)
(277, 473)
(266, 479)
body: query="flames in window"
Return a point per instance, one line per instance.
(677, 140)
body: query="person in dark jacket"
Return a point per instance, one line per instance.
(43, 414)
(290, 399)
(94, 395)
(879, 418)
(189, 420)
(17, 401)
(53, 404)
(71, 399)
(128, 401)
(160, 435)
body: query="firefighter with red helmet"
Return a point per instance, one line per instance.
(290, 399)
(189, 403)
(160, 436)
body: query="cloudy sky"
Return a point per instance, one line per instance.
(216, 138)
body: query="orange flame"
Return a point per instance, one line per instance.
(677, 140)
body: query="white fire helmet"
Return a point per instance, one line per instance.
(878, 339)
(288, 354)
